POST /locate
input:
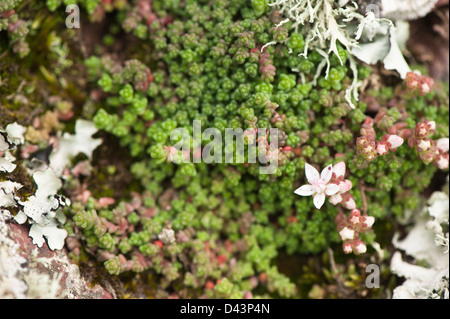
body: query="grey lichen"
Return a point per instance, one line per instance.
(406, 9)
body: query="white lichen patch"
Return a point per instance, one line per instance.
(39, 210)
(7, 191)
(42, 210)
(428, 243)
(55, 236)
(15, 133)
(6, 159)
(71, 145)
(380, 41)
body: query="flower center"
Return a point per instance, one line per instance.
(319, 186)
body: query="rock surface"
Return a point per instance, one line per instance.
(27, 271)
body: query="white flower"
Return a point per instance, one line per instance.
(319, 186)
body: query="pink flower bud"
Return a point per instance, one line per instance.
(335, 199)
(425, 85)
(395, 141)
(359, 247)
(347, 234)
(367, 221)
(348, 184)
(431, 125)
(349, 203)
(354, 218)
(421, 130)
(423, 144)
(361, 141)
(425, 128)
(366, 147)
(382, 148)
(405, 133)
(347, 248)
(345, 186)
(443, 144)
(442, 161)
(368, 132)
(368, 122)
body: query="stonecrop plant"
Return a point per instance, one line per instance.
(363, 150)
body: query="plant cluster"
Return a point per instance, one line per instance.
(211, 64)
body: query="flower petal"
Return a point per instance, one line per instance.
(339, 169)
(331, 189)
(305, 190)
(319, 199)
(326, 174)
(312, 175)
